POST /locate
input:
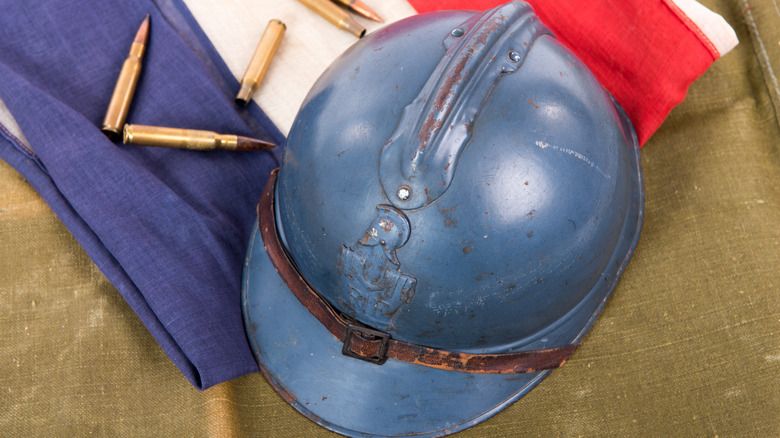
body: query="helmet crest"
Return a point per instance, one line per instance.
(421, 156)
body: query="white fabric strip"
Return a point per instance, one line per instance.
(7, 120)
(712, 25)
(309, 45)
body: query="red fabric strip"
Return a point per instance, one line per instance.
(640, 50)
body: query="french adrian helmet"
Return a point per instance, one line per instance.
(457, 200)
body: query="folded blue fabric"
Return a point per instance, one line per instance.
(167, 227)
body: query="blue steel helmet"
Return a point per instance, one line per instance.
(457, 200)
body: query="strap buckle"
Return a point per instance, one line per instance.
(368, 335)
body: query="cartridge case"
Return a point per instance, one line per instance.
(122, 97)
(336, 15)
(260, 61)
(190, 139)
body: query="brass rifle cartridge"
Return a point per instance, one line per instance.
(190, 139)
(119, 106)
(336, 15)
(260, 61)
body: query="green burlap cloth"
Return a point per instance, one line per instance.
(689, 344)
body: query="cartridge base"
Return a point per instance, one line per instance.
(245, 94)
(112, 132)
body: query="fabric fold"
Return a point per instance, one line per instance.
(167, 227)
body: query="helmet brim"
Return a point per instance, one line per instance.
(303, 362)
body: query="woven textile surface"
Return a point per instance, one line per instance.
(688, 345)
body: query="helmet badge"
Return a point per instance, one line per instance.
(370, 274)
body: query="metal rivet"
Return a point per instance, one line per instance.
(515, 55)
(404, 192)
(457, 33)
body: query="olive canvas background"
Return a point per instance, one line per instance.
(688, 345)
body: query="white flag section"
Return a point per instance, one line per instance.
(309, 45)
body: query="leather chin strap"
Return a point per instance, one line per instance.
(372, 345)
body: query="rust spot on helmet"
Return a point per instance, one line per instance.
(467, 249)
(444, 99)
(448, 220)
(386, 225)
(430, 126)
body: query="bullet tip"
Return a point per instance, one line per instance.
(363, 9)
(143, 31)
(252, 144)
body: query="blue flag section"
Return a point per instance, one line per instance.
(167, 227)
